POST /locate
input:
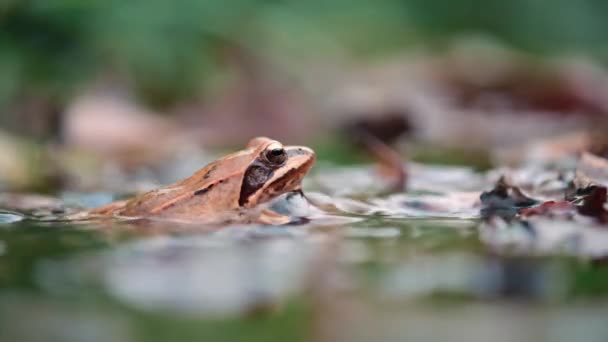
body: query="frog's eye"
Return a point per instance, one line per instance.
(276, 156)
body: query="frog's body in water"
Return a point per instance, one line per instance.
(231, 189)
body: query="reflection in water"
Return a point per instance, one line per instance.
(469, 276)
(547, 236)
(206, 276)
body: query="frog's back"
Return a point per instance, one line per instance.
(189, 197)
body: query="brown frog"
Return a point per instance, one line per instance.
(231, 189)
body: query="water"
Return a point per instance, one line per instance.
(415, 266)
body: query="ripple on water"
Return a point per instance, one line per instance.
(7, 217)
(378, 233)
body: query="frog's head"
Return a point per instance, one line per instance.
(276, 170)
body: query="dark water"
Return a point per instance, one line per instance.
(371, 269)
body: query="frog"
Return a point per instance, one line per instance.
(236, 188)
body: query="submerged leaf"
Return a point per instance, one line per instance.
(504, 200)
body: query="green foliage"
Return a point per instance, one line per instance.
(167, 49)
(44, 46)
(541, 26)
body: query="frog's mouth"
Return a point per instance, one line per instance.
(261, 184)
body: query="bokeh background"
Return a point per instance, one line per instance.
(101, 99)
(115, 78)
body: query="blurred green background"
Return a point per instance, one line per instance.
(171, 50)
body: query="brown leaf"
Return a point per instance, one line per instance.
(504, 200)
